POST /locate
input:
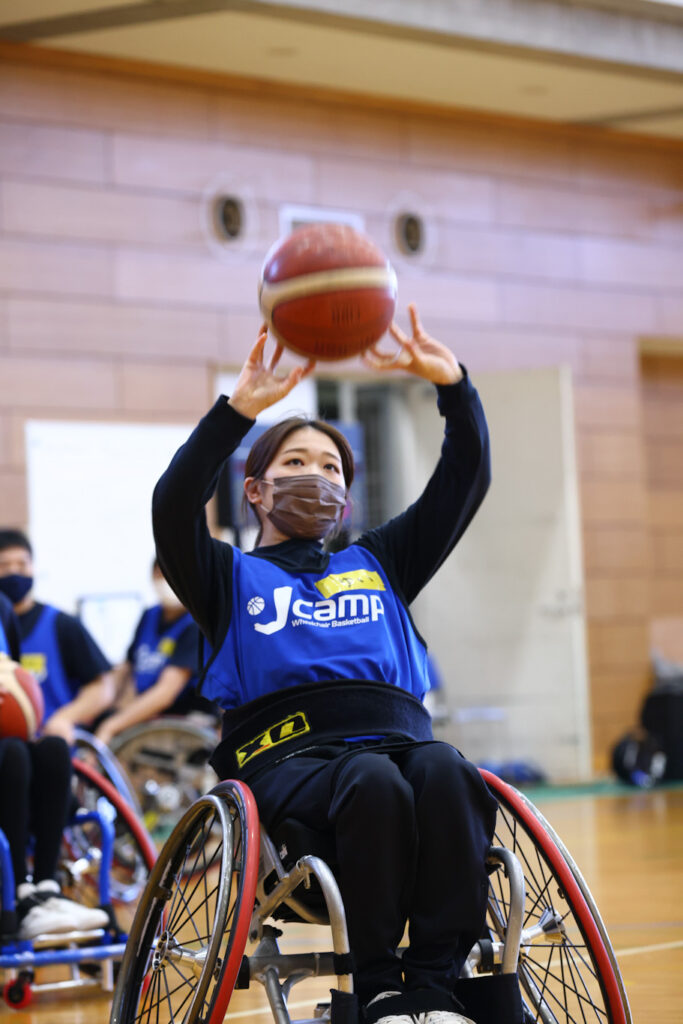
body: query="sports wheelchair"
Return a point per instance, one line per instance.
(161, 765)
(219, 880)
(105, 859)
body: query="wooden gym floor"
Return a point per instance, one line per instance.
(629, 848)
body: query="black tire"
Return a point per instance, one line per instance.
(567, 969)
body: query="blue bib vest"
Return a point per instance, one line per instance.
(292, 628)
(154, 646)
(40, 654)
(4, 646)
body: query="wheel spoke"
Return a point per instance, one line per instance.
(564, 954)
(188, 918)
(149, 995)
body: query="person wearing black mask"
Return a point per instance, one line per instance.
(318, 646)
(35, 796)
(74, 674)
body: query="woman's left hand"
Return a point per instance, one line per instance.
(420, 355)
(105, 733)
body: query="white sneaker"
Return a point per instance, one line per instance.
(78, 917)
(443, 1017)
(35, 916)
(390, 1018)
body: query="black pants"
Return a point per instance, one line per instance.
(412, 826)
(34, 798)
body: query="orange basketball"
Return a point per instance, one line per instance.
(21, 701)
(327, 291)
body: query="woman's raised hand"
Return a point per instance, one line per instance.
(258, 386)
(421, 355)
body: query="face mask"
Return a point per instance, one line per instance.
(16, 586)
(166, 595)
(306, 506)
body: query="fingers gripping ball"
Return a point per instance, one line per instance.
(327, 292)
(21, 701)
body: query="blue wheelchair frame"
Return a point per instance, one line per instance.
(19, 958)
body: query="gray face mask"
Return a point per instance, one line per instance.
(306, 506)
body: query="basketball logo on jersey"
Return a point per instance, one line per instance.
(292, 726)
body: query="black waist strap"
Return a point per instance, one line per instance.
(271, 728)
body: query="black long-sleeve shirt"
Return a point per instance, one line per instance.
(410, 547)
(10, 627)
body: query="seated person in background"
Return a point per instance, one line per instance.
(159, 673)
(9, 630)
(73, 672)
(35, 791)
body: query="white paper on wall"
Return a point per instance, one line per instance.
(90, 492)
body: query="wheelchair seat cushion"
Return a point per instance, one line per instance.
(294, 840)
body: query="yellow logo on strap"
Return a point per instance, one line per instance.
(355, 579)
(294, 725)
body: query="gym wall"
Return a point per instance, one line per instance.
(544, 245)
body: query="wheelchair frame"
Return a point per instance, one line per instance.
(542, 924)
(84, 864)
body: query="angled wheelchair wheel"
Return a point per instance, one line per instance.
(88, 748)
(133, 852)
(188, 937)
(567, 969)
(166, 761)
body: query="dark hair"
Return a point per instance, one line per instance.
(15, 539)
(266, 446)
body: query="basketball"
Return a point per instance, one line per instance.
(327, 291)
(21, 701)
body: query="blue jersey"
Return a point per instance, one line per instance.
(292, 627)
(4, 643)
(154, 645)
(41, 655)
(292, 613)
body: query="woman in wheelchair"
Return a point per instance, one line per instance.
(314, 657)
(35, 799)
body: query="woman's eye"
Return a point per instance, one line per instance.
(331, 465)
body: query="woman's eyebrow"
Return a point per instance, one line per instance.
(328, 455)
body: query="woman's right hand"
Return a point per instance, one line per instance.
(59, 725)
(258, 386)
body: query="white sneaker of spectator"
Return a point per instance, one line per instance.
(42, 910)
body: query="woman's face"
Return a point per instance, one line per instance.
(304, 451)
